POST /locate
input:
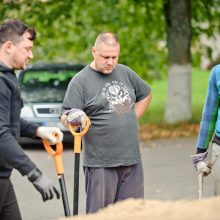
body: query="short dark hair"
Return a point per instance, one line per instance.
(13, 29)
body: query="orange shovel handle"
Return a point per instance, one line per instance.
(56, 154)
(78, 135)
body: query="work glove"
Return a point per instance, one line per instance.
(75, 117)
(43, 184)
(200, 164)
(52, 134)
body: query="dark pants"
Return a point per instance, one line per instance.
(105, 186)
(9, 209)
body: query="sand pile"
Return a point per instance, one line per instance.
(136, 209)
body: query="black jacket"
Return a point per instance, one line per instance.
(12, 126)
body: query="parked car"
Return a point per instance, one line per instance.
(43, 87)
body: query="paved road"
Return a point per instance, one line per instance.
(168, 176)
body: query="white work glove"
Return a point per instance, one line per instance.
(43, 184)
(75, 117)
(49, 133)
(200, 164)
(215, 152)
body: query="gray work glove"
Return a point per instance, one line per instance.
(75, 117)
(200, 164)
(43, 184)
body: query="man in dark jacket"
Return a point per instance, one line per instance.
(16, 43)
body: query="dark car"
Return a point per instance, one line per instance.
(43, 87)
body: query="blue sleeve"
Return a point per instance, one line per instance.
(210, 111)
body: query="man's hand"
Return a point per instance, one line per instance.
(52, 134)
(200, 164)
(75, 117)
(43, 184)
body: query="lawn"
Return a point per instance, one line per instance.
(155, 113)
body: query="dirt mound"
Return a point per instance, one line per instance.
(136, 209)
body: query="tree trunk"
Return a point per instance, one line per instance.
(177, 15)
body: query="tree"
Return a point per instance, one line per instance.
(185, 22)
(177, 14)
(66, 31)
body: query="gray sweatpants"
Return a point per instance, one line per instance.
(105, 186)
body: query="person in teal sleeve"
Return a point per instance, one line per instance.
(210, 131)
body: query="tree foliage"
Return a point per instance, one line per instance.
(67, 29)
(205, 21)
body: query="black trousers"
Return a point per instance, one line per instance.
(9, 209)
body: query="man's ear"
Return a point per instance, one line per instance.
(7, 46)
(93, 51)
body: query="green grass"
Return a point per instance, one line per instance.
(155, 113)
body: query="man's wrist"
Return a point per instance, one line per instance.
(37, 132)
(200, 150)
(34, 175)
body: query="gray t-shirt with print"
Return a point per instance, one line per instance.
(109, 100)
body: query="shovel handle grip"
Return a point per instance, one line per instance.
(82, 133)
(56, 154)
(78, 135)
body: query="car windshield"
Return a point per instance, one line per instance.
(45, 86)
